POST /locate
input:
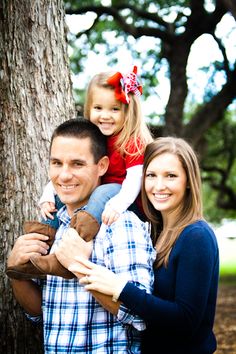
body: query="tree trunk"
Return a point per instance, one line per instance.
(35, 96)
(177, 56)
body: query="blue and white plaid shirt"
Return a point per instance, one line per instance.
(74, 322)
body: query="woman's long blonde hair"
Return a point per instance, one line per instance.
(134, 125)
(191, 210)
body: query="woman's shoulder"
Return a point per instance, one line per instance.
(198, 231)
(199, 225)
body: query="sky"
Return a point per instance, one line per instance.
(205, 45)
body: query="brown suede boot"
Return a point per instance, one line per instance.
(28, 270)
(49, 264)
(85, 224)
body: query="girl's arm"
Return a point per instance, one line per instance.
(130, 189)
(131, 185)
(48, 194)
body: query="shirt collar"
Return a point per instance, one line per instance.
(63, 216)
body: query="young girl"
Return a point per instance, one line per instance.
(112, 103)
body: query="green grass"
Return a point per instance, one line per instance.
(228, 269)
(227, 250)
(228, 272)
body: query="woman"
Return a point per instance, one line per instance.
(180, 312)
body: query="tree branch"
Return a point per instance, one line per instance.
(200, 21)
(226, 198)
(135, 31)
(212, 111)
(223, 52)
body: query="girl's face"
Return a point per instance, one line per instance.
(106, 112)
(165, 185)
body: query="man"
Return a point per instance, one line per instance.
(74, 320)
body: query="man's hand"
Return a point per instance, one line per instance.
(27, 246)
(71, 246)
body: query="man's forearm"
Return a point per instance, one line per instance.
(29, 295)
(106, 302)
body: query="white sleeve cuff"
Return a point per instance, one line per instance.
(48, 194)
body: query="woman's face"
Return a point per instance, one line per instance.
(165, 184)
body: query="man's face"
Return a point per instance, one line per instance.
(73, 171)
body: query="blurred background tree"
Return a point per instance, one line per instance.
(160, 37)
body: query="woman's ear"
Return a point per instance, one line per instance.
(103, 164)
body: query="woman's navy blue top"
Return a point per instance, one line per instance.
(180, 312)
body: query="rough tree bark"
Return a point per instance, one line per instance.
(35, 96)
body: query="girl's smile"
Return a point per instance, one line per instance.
(106, 112)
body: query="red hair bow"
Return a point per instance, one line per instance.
(124, 84)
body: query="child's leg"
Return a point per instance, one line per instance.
(87, 222)
(54, 222)
(100, 197)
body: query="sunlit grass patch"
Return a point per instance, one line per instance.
(228, 272)
(227, 250)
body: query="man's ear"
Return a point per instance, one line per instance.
(103, 164)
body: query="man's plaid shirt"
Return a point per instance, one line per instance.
(74, 322)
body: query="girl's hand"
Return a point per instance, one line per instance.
(46, 209)
(97, 277)
(109, 216)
